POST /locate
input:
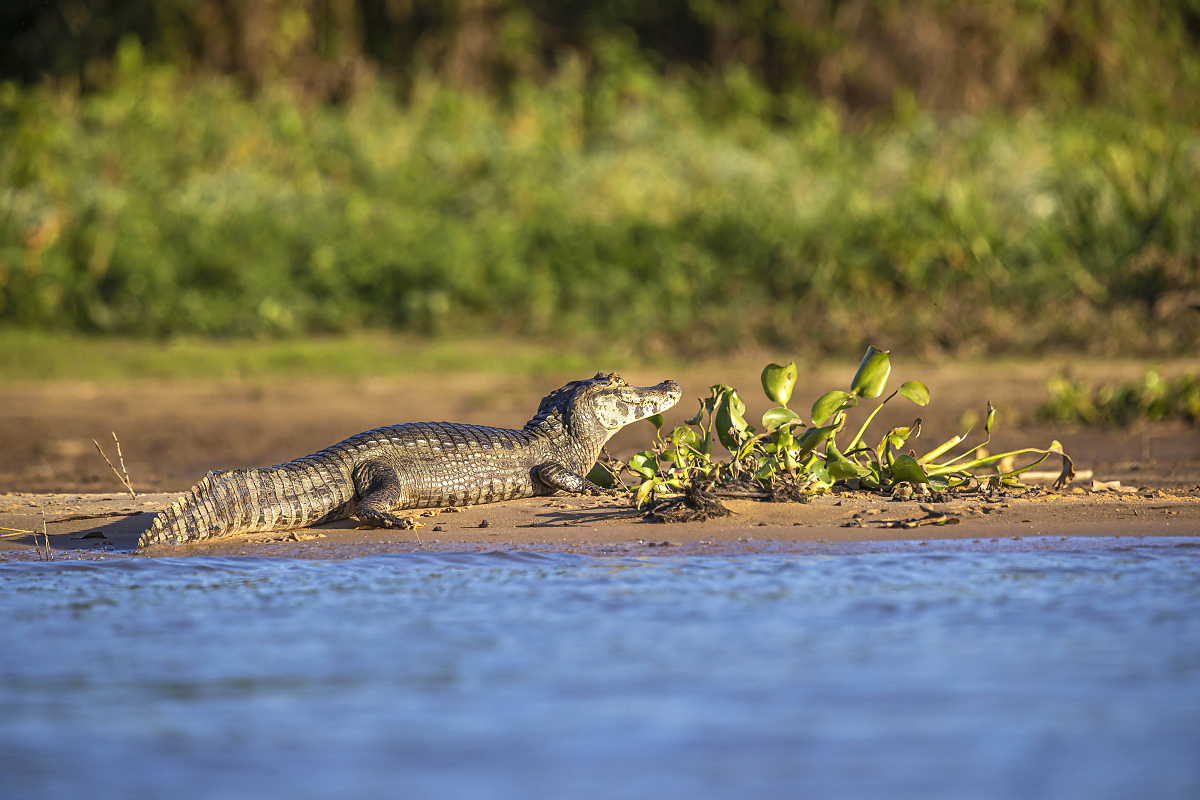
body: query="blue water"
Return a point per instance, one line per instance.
(959, 672)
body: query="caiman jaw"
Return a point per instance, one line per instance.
(619, 404)
(656, 399)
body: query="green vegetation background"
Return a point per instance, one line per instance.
(683, 177)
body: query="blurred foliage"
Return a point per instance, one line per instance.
(1152, 399)
(672, 177)
(29, 355)
(860, 54)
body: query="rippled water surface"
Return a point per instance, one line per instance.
(1071, 672)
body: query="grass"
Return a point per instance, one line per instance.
(39, 356)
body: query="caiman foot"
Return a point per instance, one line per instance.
(559, 477)
(384, 519)
(378, 488)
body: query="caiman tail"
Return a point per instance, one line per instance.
(247, 501)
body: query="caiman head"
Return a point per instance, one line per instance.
(595, 409)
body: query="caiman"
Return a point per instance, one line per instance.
(371, 476)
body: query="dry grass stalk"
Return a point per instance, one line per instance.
(44, 547)
(125, 512)
(123, 475)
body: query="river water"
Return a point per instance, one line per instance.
(1069, 670)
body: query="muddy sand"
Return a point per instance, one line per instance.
(1143, 481)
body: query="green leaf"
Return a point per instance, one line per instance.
(875, 477)
(991, 418)
(767, 470)
(840, 467)
(685, 447)
(906, 468)
(942, 448)
(730, 423)
(829, 404)
(775, 417)
(643, 492)
(602, 476)
(782, 440)
(656, 420)
(915, 391)
(872, 373)
(685, 437)
(858, 436)
(644, 463)
(751, 445)
(1068, 467)
(778, 382)
(811, 438)
(939, 482)
(695, 420)
(896, 437)
(821, 475)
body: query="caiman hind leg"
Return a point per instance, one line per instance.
(379, 490)
(556, 476)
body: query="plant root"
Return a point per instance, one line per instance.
(696, 504)
(788, 490)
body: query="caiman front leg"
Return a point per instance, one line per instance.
(379, 490)
(556, 476)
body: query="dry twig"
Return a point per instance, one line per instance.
(99, 515)
(45, 553)
(123, 478)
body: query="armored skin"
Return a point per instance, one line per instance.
(418, 465)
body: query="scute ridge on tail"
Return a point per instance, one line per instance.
(241, 501)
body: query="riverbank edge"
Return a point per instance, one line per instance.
(81, 525)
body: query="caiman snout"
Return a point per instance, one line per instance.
(669, 392)
(618, 404)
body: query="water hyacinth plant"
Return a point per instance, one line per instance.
(789, 458)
